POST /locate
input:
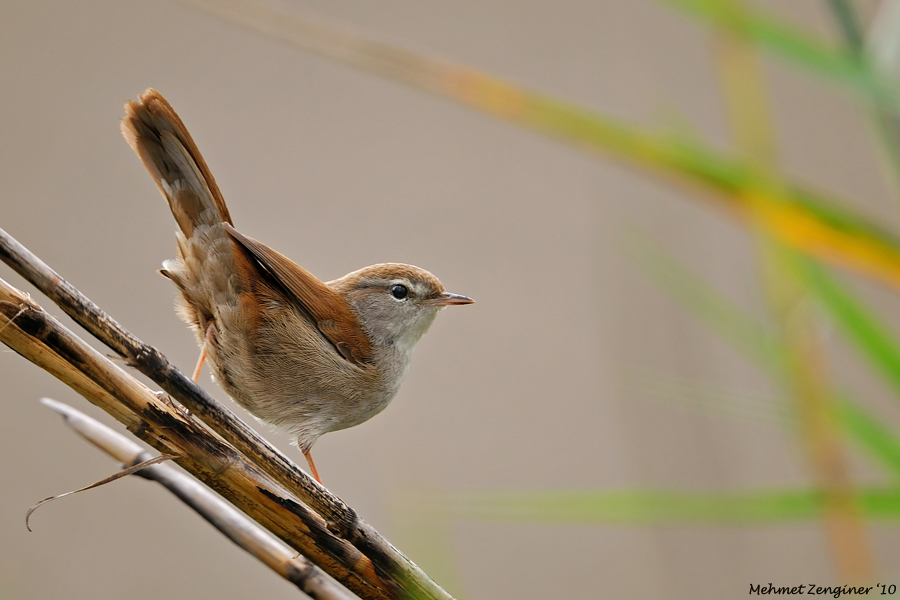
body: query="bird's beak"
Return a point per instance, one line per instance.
(448, 299)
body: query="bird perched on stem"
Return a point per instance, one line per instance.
(304, 355)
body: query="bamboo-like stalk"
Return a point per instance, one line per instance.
(284, 561)
(339, 518)
(40, 338)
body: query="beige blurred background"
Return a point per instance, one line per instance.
(546, 383)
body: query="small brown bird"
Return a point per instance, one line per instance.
(304, 355)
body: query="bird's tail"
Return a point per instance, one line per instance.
(208, 261)
(157, 135)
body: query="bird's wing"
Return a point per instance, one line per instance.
(333, 315)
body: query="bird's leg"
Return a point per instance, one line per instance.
(203, 352)
(312, 465)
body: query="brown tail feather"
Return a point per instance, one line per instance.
(157, 135)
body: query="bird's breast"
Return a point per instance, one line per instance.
(287, 374)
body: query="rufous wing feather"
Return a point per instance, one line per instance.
(333, 315)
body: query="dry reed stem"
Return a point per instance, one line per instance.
(232, 523)
(40, 338)
(339, 518)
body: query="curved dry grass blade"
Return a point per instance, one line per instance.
(232, 523)
(123, 473)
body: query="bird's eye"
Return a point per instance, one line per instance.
(400, 292)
